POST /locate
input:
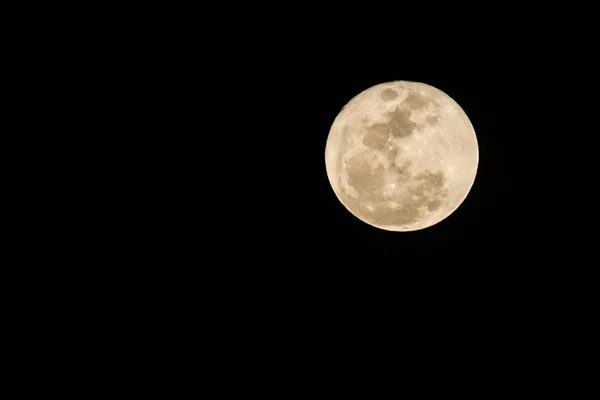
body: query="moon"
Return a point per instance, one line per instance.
(401, 156)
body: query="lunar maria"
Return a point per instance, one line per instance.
(401, 156)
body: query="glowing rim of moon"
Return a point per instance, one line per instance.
(448, 212)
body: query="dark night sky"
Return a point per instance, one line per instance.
(256, 236)
(217, 231)
(315, 221)
(279, 88)
(514, 237)
(511, 89)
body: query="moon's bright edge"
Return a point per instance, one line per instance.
(401, 156)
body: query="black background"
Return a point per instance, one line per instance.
(295, 104)
(241, 206)
(235, 194)
(280, 86)
(215, 228)
(286, 250)
(218, 218)
(251, 240)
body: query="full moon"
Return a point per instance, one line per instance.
(401, 156)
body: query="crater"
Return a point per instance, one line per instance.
(391, 156)
(416, 101)
(363, 177)
(400, 124)
(431, 181)
(432, 119)
(376, 137)
(400, 166)
(429, 194)
(434, 205)
(389, 95)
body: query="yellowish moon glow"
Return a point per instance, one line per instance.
(401, 156)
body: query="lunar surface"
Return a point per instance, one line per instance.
(401, 156)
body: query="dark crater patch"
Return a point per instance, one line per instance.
(433, 120)
(416, 101)
(391, 156)
(434, 205)
(429, 193)
(400, 125)
(389, 95)
(376, 137)
(364, 179)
